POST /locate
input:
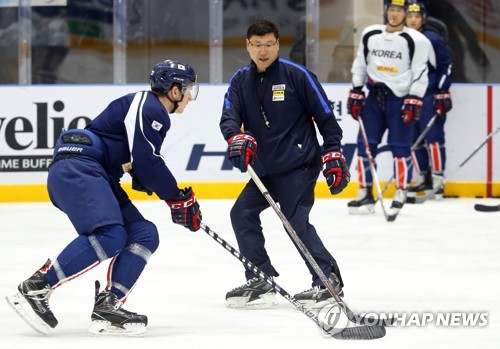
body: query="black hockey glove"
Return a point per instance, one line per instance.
(185, 209)
(241, 150)
(355, 101)
(412, 108)
(136, 185)
(335, 171)
(442, 102)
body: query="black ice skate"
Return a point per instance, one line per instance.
(256, 293)
(398, 201)
(424, 186)
(318, 296)
(109, 318)
(364, 203)
(438, 186)
(434, 189)
(31, 302)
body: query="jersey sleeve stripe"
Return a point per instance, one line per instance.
(324, 104)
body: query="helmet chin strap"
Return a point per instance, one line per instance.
(175, 103)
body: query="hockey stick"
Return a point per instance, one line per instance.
(293, 235)
(371, 161)
(357, 332)
(487, 208)
(415, 146)
(422, 199)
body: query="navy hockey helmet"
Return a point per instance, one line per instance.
(417, 7)
(167, 73)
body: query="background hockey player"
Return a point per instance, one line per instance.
(84, 182)
(274, 101)
(437, 99)
(392, 62)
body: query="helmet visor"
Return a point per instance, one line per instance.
(193, 91)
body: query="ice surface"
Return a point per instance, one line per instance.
(439, 256)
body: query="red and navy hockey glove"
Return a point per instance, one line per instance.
(335, 171)
(355, 102)
(185, 209)
(241, 150)
(412, 108)
(442, 102)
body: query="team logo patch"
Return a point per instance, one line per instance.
(156, 125)
(278, 96)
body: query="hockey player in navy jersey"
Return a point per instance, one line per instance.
(429, 158)
(392, 63)
(267, 120)
(84, 182)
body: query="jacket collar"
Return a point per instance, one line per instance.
(269, 69)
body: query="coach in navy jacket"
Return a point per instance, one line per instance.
(268, 120)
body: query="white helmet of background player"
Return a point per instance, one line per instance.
(168, 73)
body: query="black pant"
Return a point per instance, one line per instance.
(294, 191)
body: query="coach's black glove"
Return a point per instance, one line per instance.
(185, 209)
(442, 102)
(412, 108)
(335, 171)
(355, 102)
(241, 150)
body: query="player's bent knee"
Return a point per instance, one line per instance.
(144, 233)
(110, 239)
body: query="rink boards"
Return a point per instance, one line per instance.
(32, 117)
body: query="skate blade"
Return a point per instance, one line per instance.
(263, 302)
(24, 310)
(362, 210)
(105, 328)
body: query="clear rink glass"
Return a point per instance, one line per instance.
(117, 41)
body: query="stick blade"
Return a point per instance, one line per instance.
(392, 217)
(361, 333)
(486, 208)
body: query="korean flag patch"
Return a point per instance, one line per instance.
(156, 125)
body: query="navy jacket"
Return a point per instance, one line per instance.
(291, 99)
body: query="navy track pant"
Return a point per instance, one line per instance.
(294, 191)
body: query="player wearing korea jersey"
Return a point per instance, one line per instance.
(392, 64)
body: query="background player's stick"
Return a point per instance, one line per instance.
(371, 162)
(487, 208)
(356, 332)
(415, 146)
(422, 199)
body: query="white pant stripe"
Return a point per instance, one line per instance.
(101, 254)
(59, 272)
(140, 251)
